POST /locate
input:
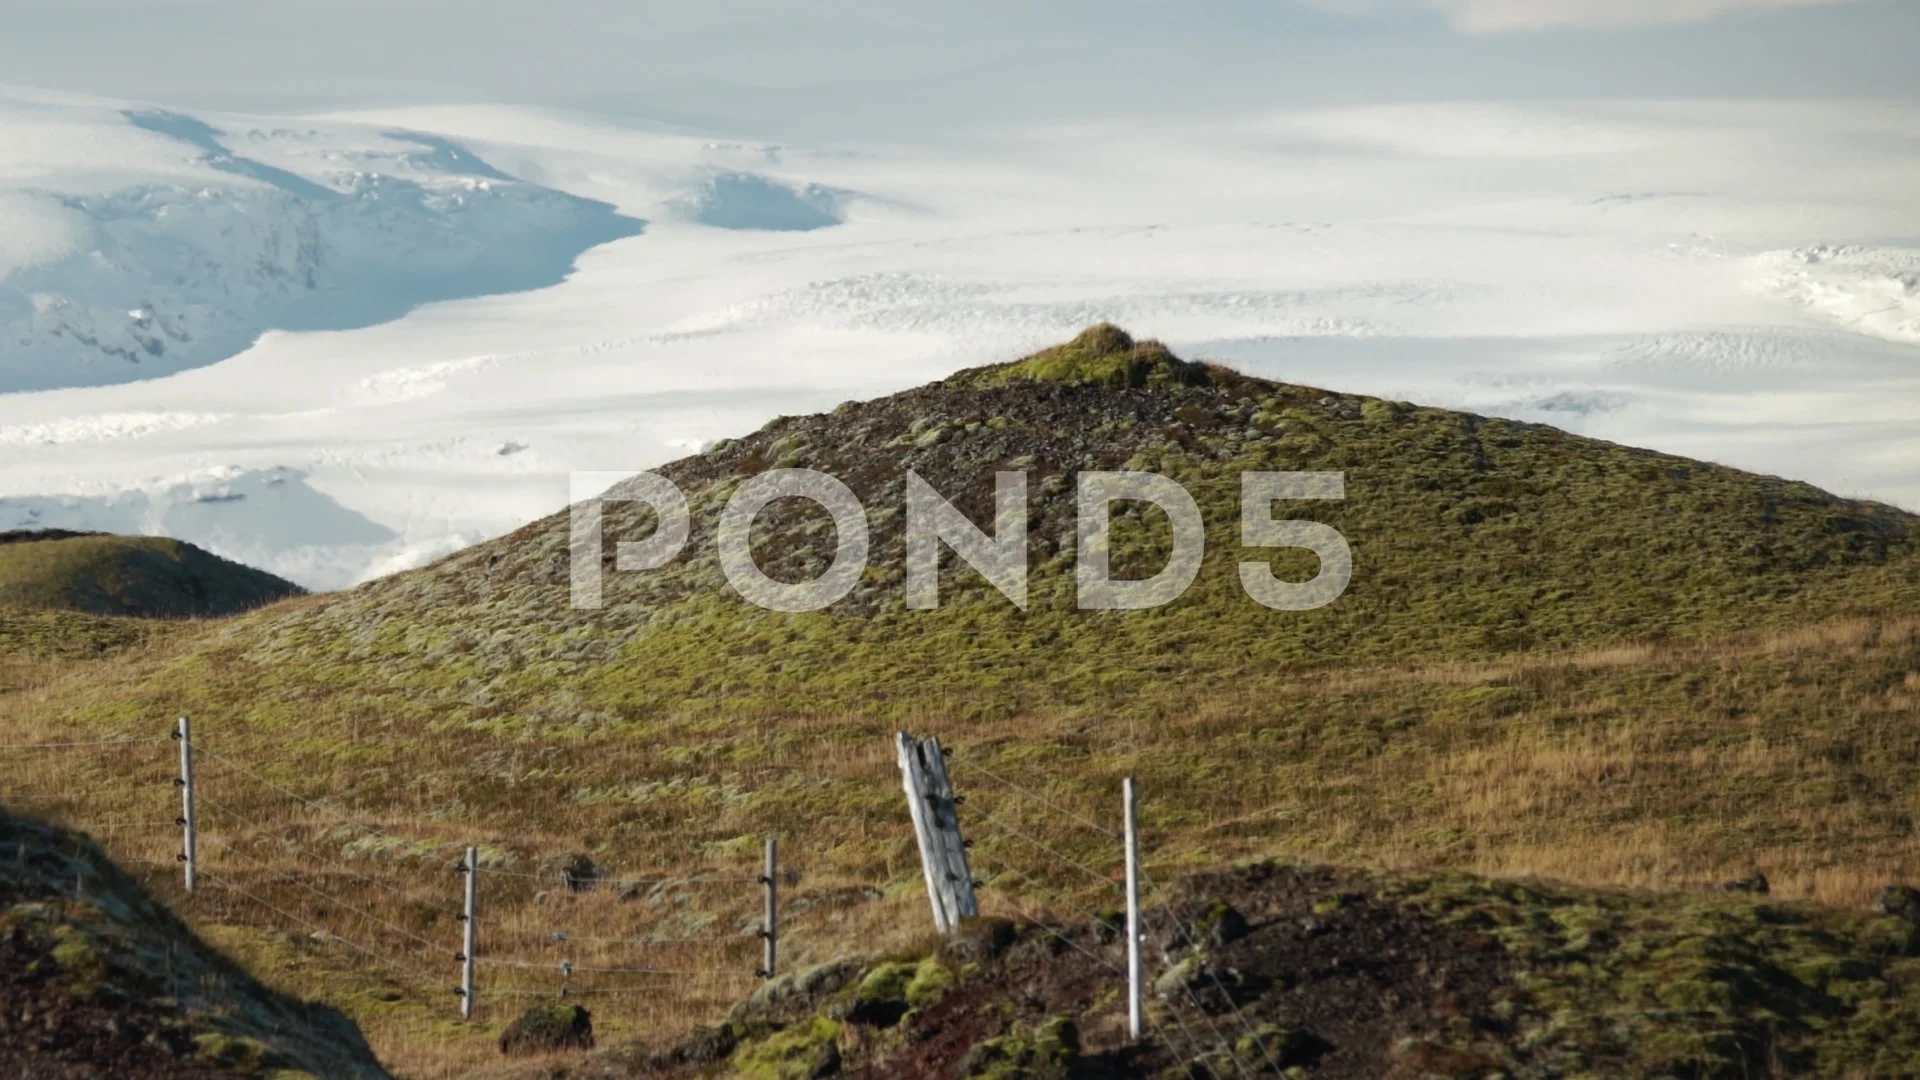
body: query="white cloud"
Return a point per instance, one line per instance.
(1504, 16)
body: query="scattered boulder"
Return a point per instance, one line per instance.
(1899, 902)
(1048, 1051)
(1273, 1048)
(796, 995)
(1757, 885)
(703, 1046)
(548, 1027)
(981, 939)
(881, 999)
(710, 1044)
(579, 873)
(895, 988)
(1219, 924)
(1179, 979)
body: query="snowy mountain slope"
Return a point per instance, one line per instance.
(140, 242)
(1689, 278)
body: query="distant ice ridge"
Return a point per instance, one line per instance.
(736, 200)
(101, 428)
(1871, 290)
(137, 243)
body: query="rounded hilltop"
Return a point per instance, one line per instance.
(143, 576)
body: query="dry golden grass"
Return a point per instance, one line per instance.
(1666, 766)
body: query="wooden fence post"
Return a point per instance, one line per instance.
(770, 917)
(936, 826)
(469, 932)
(1136, 998)
(189, 832)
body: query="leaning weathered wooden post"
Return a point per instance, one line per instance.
(910, 778)
(470, 932)
(770, 917)
(1136, 999)
(936, 826)
(189, 834)
(946, 813)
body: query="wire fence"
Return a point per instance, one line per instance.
(408, 923)
(409, 930)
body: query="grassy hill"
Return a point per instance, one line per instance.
(1558, 656)
(146, 576)
(96, 979)
(1471, 536)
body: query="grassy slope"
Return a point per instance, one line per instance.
(147, 576)
(1558, 656)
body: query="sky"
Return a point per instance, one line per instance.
(889, 68)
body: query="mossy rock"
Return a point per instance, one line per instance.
(548, 1027)
(894, 988)
(1272, 1047)
(808, 1051)
(1218, 925)
(797, 995)
(1047, 1051)
(1179, 978)
(708, 1044)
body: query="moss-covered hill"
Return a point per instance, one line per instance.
(1277, 969)
(1470, 537)
(99, 980)
(146, 576)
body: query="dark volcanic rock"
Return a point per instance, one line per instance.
(580, 873)
(1900, 902)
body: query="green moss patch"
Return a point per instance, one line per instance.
(1637, 984)
(805, 1051)
(1104, 355)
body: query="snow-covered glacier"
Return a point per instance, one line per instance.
(138, 242)
(1687, 277)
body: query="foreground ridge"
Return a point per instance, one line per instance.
(98, 979)
(1274, 969)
